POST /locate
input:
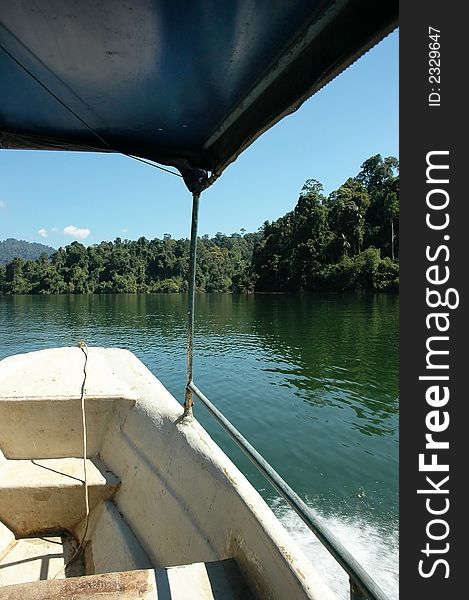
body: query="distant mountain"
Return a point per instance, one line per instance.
(11, 248)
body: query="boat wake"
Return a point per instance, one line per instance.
(375, 548)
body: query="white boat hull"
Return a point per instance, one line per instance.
(162, 493)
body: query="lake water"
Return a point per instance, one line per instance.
(310, 380)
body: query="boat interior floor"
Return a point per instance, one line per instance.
(47, 496)
(40, 558)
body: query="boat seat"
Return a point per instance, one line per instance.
(43, 495)
(220, 580)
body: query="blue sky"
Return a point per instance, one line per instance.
(56, 197)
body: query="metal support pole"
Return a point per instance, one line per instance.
(362, 586)
(188, 402)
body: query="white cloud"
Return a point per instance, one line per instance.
(77, 232)
(2, 204)
(42, 232)
(125, 230)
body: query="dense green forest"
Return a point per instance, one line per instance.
(345, 241)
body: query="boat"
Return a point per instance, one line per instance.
(109, 488)
(161, 492)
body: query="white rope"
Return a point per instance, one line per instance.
(82, 345)
(84, 349)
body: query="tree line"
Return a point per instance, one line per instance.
(345, 241)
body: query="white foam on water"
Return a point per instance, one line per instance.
(375, 548)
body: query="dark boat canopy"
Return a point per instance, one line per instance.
(187, 83)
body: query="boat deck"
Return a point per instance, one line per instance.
(46, 495)
(40, 558)
(170, 516)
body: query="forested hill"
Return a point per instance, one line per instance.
(11, 248)
(345, 241)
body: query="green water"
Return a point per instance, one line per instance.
(310, 380)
